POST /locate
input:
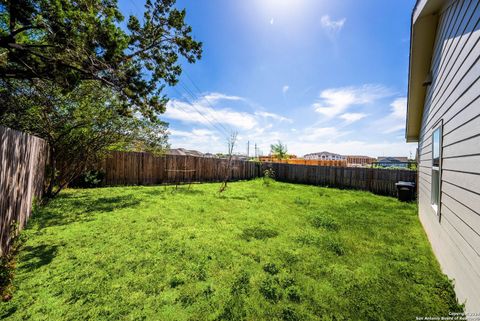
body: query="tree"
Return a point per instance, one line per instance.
(68, 42)
(81, 126)
(230, 146)
(279, 150)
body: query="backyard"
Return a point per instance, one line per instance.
(256, 252)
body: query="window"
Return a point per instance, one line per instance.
(436, 166)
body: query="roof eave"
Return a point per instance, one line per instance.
(422, 40)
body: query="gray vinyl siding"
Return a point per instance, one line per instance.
(453, 100)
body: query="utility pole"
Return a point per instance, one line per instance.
(256, 150)
(248, 149)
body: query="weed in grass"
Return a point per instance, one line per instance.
(271, 268)
(287, 281)
(234, 309)
(176, 281)
(293, 294)
(289, 314)
(302, 201)
(335, 246)
(200, 272)
(326, 222)
(241, 285)
(270, 290)
(258, 233)
(208, 291)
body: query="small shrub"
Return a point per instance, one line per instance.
(293, 294)
(271, 268)
(287, 281)
(270, 290)
(268, 176)
(258, 233)
(186, 299)
(326, 222)
(289, 314)
(90, 179)
(241, 285)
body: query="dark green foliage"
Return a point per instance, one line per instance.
(241, 285)
(89, 179)
(80, 126)
(270, 290)
(176, 281)
(289, 314)
(8, 263)
(268, 176)
(128, 254)
(67, 42)
(294, 294)
(271, 268)
(258, 233)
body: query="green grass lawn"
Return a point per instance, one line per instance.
(278, 252)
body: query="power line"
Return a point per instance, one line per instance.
(195, 97)
(212, 124)
(200, 91)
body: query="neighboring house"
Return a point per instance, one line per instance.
(357, 160)
(184, 152)
(443, 116)
(324, 156)
(392, 161)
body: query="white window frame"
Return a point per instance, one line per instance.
(436, 203)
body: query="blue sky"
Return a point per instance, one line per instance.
(314, 74)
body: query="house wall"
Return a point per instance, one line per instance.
(453, 99)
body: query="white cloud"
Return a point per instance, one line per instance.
(332, 26)
(399, 108)
(320, 133)
(352, 117)
(265, 114)
(215, 97)
(272, 21)
(335, 101)
(199, 113)
(285, 89)
(205, 111)
(395, 121)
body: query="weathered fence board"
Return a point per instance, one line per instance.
(378, 181)
(22, 160)
(145, 169)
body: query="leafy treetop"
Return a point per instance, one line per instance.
(71, 41)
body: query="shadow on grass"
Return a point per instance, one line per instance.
(37, 256)
(8, 312)
(65, 209)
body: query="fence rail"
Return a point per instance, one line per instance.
(378, 181)
(22, 159)
(122, 168)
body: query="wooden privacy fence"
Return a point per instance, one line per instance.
(378, 181)
(129, 168)
(316, 162)
(22, 160)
